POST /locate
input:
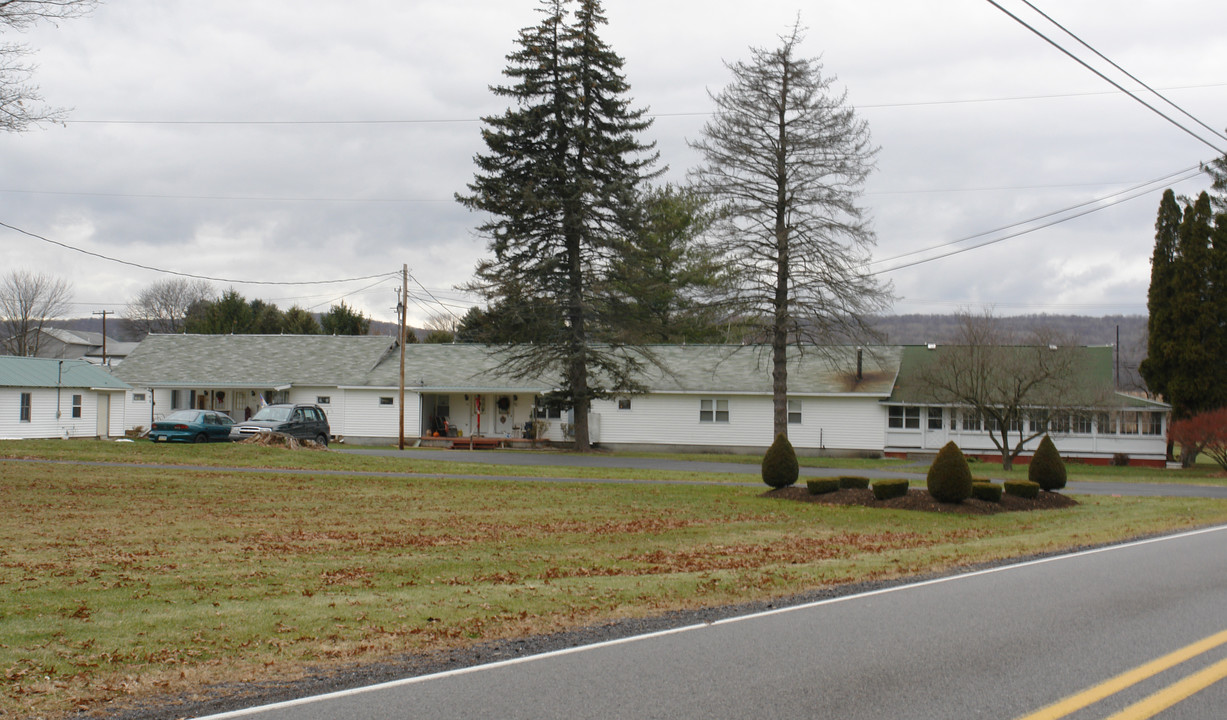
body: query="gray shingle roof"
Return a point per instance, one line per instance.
(283, 360)
(253, 360)
(49, 373)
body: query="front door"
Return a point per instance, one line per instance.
(502, 415)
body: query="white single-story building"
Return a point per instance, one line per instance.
(1118, 427)
(842, 400)
(47, 398)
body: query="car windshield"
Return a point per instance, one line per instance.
(183, 416)
(277, 414)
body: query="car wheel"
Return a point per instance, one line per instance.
(201, 438)
(322, 439)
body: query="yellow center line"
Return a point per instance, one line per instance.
(1173, 694)
(1127, 679)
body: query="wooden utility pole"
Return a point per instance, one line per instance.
(404, 312)
(104, 314)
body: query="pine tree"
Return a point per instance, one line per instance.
(786, 159)
(559, 180)
(1158, 367)
(1196, 381)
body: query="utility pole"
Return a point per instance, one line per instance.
(104, 314)
(404, 311)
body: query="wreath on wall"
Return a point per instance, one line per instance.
(504, 404)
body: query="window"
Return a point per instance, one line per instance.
(385, 402)
(794, 412)
(138, 397)
(1040, 421)
(1016, 423)
(713, 411)
(904, 417)
(1152, 423)
(25, 407)
(76, 406)
(1105, 424)
(936, 418)
(546, 412)
(1129, 423)
(1083, 424)
(971, 420)
(1061, 424)
(323, 399)
(624, 403)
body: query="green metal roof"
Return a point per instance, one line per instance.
(30, 372)
(1093, 372)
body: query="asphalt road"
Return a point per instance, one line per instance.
(1000, 643)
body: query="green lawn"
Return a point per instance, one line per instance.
(124, 582)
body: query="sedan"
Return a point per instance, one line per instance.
(192, 426)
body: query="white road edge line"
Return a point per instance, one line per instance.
(689, 628)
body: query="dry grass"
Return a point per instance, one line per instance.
(119, 582)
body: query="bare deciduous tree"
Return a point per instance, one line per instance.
(1019, 390)
(27, 302)
(785, 161)
(163, 306)
(20, 103)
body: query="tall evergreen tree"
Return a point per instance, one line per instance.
(664, 280)
(1197, 381)
(559, 179)
(786, 159)
(1161, 352)
(343, 320)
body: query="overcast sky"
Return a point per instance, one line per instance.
(305, 141)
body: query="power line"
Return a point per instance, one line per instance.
(1011, 236)
(1112, 82)
(681, 114)
(1128, 74)
(1190, 172)
(66, 246)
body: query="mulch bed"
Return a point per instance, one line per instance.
(922, 500)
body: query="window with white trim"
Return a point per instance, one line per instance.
(624, 403)
(936, 418)
(386, 402)
(76, 406)
(904, 417)
(713, 410)
(323, 399)
(794, 412)
(1083, 423)
(26, 400)
(1152, 423)
(972, 420)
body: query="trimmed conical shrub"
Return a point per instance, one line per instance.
(780, 467)
(1047, 469)
(949, 478)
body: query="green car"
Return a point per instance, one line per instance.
(192, 426)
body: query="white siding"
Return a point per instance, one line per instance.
(364, 417)
(43, 422)
(673, 419)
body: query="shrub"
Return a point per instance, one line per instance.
(887, 489)
(819, 486)
(1047, 469)
(854, 483)
(1022, 488)
(949, 478)
(780, 467)
(987, 491)
(1120, 460)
